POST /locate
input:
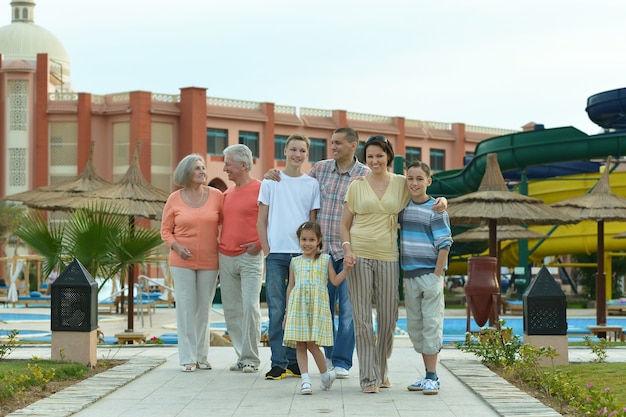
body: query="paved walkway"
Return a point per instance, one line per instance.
(151, 382)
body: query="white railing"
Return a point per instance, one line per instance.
(307, 111)
(493, 131)
(166, 98)
(285, 109)
(363, 117)
(227, 102)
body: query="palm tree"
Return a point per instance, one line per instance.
(107, 245)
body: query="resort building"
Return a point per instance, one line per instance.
(47, 127)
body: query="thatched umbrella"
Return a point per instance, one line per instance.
(39, 198)
(495, 203)
(600, 205)
(504, 232)
(133, 196)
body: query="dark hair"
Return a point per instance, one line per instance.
(351, 134)
(419, 164)
(315, 227)
(384, 143)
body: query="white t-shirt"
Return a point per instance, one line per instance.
(290, 202)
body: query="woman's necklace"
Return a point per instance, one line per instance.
(190, 201)
(382, 186)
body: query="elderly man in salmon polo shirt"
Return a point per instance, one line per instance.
(241, 259)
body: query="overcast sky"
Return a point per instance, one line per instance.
(498, 63)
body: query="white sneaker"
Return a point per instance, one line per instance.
(342, 373)
(326, 385)
(305, 388)
(236, 367)
(431, 387)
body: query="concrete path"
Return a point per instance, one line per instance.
(151, 383)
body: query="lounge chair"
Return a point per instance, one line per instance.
(35, 297)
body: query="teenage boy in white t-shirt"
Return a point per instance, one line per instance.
(283, 206)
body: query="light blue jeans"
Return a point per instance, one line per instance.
(276, 280)
(341, 353)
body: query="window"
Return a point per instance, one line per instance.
(360, 152)
(251, 140)
(216, 141)
(279, 147)
(318, 150)
(413, 154)
(437, 160)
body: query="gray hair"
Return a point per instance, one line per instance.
(240, 153)
(184, 171)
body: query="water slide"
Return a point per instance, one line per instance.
(521, 151)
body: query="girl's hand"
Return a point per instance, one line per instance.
(347, 266)
(349, 260)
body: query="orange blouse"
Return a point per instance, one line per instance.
(195, 228)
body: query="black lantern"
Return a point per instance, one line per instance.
(545, 306)
(74, 300)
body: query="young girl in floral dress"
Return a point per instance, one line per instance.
(307, 323)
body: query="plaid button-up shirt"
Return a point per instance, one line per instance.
(333, 189)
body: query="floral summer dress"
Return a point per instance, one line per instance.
(308, 315)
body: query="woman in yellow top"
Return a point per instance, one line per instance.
(369, 232)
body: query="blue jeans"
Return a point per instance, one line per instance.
(341, 353)
(276, 280)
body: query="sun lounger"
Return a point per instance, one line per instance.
(34, 297)
(616, 307)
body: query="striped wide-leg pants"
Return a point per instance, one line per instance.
(374, 283)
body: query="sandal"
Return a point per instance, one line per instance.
(371, 389)
(386, 383)
(305, 388)
(189, 367)
(204, 365)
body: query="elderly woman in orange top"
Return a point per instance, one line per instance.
(190, 227)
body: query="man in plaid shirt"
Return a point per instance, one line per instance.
(334, 176)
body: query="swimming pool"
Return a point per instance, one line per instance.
(16, 317)
(31, 335)
(454, 327)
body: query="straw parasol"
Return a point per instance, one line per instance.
(504, 232)
(39, 198)
(600, 205)
(132, 196)
(496, 204)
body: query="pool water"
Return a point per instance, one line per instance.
(9, 317)
(454, 327)
(31, 335)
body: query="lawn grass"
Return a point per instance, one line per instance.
(602, 375)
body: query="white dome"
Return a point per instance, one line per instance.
(26, 40)
(23, 39)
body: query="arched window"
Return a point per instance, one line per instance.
(25, 13)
